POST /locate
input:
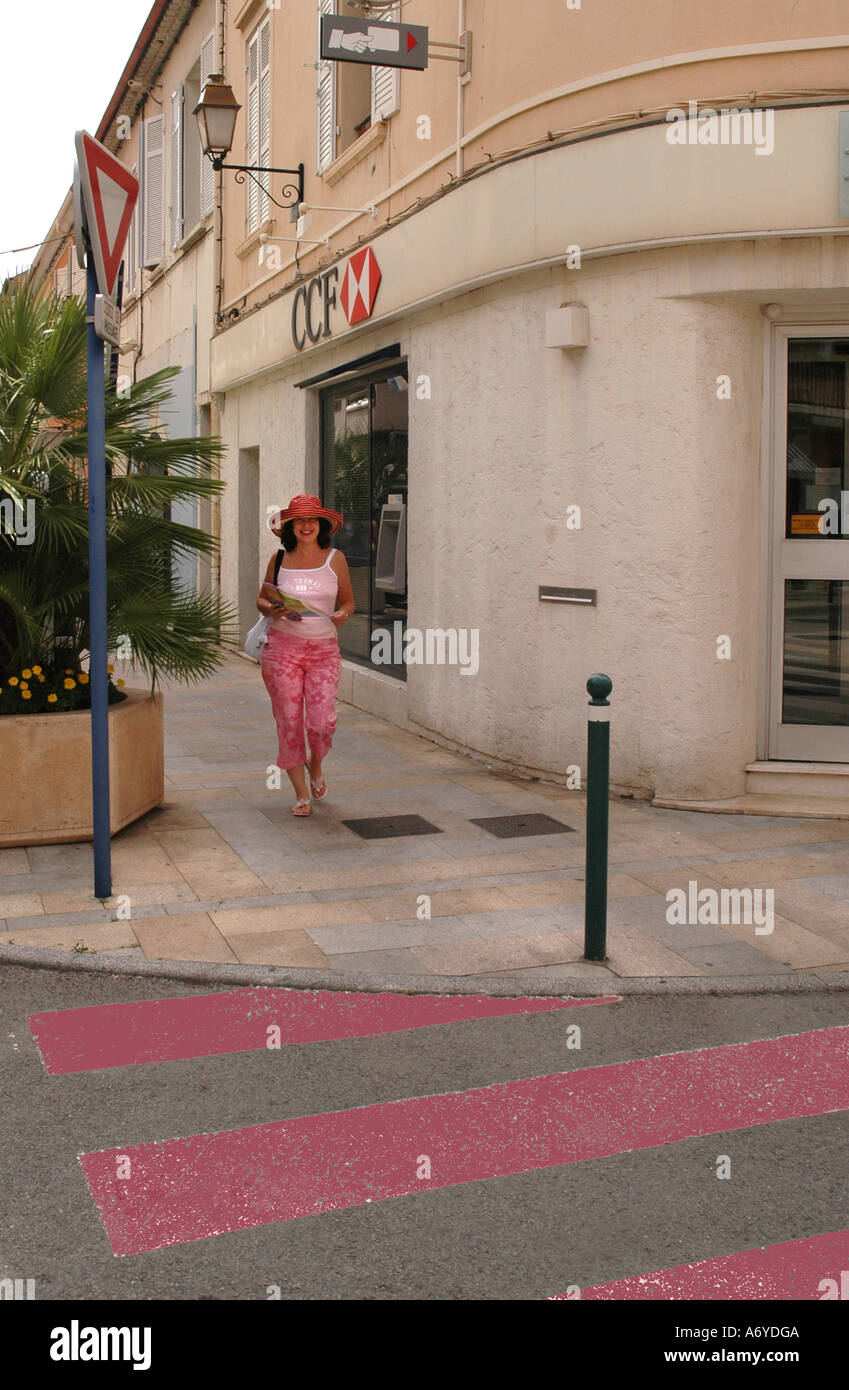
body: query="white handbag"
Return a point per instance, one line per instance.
(257, 639)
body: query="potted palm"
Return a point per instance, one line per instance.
(166, 629)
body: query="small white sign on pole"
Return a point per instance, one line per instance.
(107, 319)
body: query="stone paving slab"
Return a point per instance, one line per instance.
(223, 873)
(279, 948)
(107, 937)
(191, 937)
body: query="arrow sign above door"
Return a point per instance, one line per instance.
(109, 192)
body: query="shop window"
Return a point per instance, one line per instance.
(364, 476)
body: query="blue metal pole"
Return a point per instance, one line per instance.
(98, 674)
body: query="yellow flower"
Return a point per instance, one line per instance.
(36, 670)
(68, 671)
(119, 682)
(68, 684)
(13, 680)
(110, 669)
(40, 677)
(51, 699)
(26, 674)
(83, 678)
(26, 694)
(24, 686)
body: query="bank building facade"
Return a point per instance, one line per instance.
(560, 324)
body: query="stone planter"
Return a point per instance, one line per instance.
(46, 769)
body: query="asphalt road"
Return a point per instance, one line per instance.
(523, 1237)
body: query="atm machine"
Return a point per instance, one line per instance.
(390, 569)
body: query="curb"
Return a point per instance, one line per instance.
(282, 977)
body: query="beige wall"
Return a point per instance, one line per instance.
(628, 188)
(536, 69)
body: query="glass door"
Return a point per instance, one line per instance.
(809, 717)
(364, 476)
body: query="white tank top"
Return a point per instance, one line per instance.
(316, 587)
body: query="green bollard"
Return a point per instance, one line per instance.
(598, 788)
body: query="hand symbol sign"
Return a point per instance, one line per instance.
(357, 43)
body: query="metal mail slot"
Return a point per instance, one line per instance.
(549, 594)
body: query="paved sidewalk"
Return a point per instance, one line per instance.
(223, 873)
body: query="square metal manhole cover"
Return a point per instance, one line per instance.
(511, 827)
(385, 827)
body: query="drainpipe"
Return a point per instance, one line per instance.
(461, 29)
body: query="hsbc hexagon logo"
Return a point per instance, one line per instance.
(359, 287)
(314, 302)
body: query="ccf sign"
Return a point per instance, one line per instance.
(311, 308)
(313, 302)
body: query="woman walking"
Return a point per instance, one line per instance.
(301, 663)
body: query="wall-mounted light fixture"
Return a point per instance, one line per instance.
(216, 114)
(568, 326)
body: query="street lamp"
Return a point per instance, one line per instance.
(216, 114)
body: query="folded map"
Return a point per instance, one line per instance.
(288, 603)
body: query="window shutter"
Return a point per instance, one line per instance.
(264, 108)
(253, 129)
(152, 228)
(78, 280)
(175, 206)
(207, 173)
(386, 83)
(259, 118)
(325, 99)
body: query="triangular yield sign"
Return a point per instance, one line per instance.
(110, 193)
(411, 42)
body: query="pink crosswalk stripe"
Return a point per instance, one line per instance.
(163, 1030)
(814, 1268)
(158, 1194)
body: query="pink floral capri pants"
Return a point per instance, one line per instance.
(299, 672)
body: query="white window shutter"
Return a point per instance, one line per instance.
(253, 129)
(325, 99)
(386, 83)
(207, 173)
(175, 206)
(264, 108)
(152, 226)
(78, 280)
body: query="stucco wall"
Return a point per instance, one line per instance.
(667, 479)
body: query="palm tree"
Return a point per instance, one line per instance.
(170, 629)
